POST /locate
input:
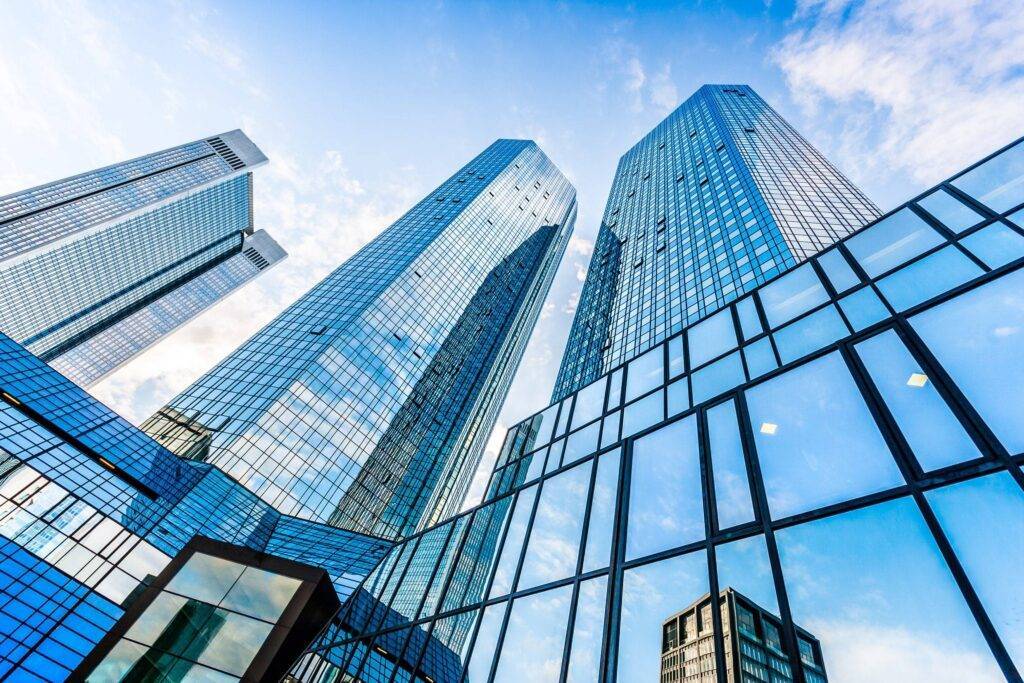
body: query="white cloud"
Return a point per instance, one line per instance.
(918, 86)
(621, 59)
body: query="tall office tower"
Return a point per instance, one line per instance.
(837, 452)
(93, 359)
(95, 254)
(718, 198)
(368, 401)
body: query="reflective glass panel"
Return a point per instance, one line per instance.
(732, 490)
(535, 638)
(545, 427)
(750, 324)
(950, 211)
(999, 182)
(235, 641)
(581, 443)
(711, 337)
(610, 432)
(554, 542)
(720, 376)
(744, 567)
(809, 334)
(927, 278)
(651, 596)
(482, 656)
(676, 359)
(984, 521)
(797, 292)
(164, 608)
(892, 241)
(978, 337)
(873, 581)
(863, 308)
(643, 413)
(602, 512)
(587, 631)
(645, 373)
(536, 464)
(996, 245)
(615, 389)
(205, 578)
(665, 504)
(589, 402)
(261, 594)
(838, 270)
(760, 357)
(513, 545)
(816, 440)
(931, 429)
(563, 417)
(678, 397)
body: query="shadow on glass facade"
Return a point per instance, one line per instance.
(836, 455)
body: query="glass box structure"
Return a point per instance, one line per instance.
(718, 198)
(367, 403)
(110, 252)
(841, 446)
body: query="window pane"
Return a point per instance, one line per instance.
(978, 337)
(676, 364)
(950, 211)
(535, 638)
(205, 578)
(760, 357)
(838, 270)
(711, 337)
(651, 596)
(816, 440)
(581, 443)
(873, 581)
(610, 431)
(234, 642)
(642, 414)
(809, 334)
(554, 456)
(794, 293)
(996, 245)
(645, 373)
(585, 656)
(615, 389)
(744, 567)
(602, 512)
(589, 402)
(999, 182)
(934, 434)
(892, 241)
(984, 521)
(563, 417)
(732, 491)
(544, 427)
(720, 376)
(554, 541)
(536, 464)
(927, 278)
(750, 324)
(678, 397)
(665, 505)
(486, 639)
(510, 551)
(261, 594)
(863, 308)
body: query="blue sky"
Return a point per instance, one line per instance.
(365, 107)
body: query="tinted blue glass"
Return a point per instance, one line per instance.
(588, 630)
(950, 211)
(863, 308)
(978, 337)
(615, 389)
(838, 270)
(934, 434)
(610, 431)
(720, 376)
(711, 338)
(797, 292)
(678, 396)
(927, 278)
(602, 512)
(482, 656)
(892, 241)
(554, 542)
(999, 182)
(750, 324)
(589, 403)
(665, 505)
(996, 245)
(676, 358)
(732, 490)
(581, 443)
(643, 413)
(816, 440)
(809, 334)
(513, 544)
(760, 357)
(536, 628)
(535, 465)
(645, 373)
(744, 567)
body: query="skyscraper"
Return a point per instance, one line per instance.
(718, 198)
(838, 451)
(367, 402)
(96, 267)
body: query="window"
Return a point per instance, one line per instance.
(645, 373)
(996, 245)
(554, 542)
(999, 182)
(891, 241)
(927, 278)
(797, 292)
(711, 337)
(950, 211)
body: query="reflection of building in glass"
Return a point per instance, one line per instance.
(367, 403)
(97, 267)
(718, 198)
(752, 644)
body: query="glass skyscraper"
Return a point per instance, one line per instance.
(96, 267)
(367, 403)
(718, 198)
(836, 454)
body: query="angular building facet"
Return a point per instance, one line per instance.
(97, 267)
(837, 455)
(367, 403)
(718, 198)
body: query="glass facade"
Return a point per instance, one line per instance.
(719, 198)
(367, 403)
(90, 255)
(103, 353)
(836, 455)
